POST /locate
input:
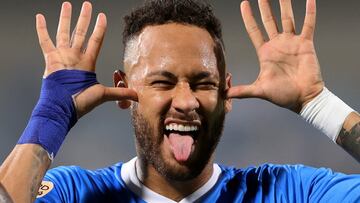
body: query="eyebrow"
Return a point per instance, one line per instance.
(167, 74)
(202, 75)
(162, 73)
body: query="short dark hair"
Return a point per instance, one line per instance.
(191, 12)
(158, 12)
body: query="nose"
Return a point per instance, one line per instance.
(184, 100)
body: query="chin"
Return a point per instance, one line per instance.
(167, 165)
(174, 170)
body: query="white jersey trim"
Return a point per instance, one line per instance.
(128, 174)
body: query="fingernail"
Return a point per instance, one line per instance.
(86, 3)
(66, 3)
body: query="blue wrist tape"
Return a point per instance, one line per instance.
(55, 113)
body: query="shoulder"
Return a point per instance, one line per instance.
(77, 172)
(73, 183)
(277, 170)
(278, 173)
(73, 175)
(288, 182)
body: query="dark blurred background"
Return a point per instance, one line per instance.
(255, 131)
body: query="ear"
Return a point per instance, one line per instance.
(119, 79)
(228, 101)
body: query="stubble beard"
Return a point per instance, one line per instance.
(148, 146)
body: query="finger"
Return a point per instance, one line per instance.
(310, 20)
(45, 42)
(120, 81)
(287, 16)
(63, 32)
(244, 91)
(268, 18)
(251, 25)
(82, 26)
(123, 104)
(118, 94)
(97, 37)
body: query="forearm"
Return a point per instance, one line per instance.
(23, 170)
(349, 136)
(335, 119)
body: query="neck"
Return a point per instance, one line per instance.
(175, 190)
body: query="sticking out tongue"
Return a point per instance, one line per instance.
(181, 146)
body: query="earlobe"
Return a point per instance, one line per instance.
(119, 79)
(228, 101)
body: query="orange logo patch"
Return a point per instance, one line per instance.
(45, 187)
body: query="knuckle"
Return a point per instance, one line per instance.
(287, 19)
(65, 17)
(41, 27)
(101, 27)
(273, 34)
(311, 13)
(105, 94)
(96, 39)
(44, 42)
(80, 32)
(61, 39)
(253, 29)
(309, 26)
(268, 19)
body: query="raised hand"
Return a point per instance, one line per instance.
(289, 70)
(71, 53)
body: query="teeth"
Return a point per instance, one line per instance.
(181, 128)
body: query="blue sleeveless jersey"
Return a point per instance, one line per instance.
(266, 183)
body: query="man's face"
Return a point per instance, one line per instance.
(179, 117)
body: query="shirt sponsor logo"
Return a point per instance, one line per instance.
(45, 187)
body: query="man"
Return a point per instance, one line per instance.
(179, 91)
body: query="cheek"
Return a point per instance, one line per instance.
(153, 103)
(209, 100)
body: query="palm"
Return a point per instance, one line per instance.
(66, 58)
(289, 71)
(69, 53)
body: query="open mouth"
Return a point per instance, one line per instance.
(182, 138)
(190, 130)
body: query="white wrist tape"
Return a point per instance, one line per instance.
(327, 113)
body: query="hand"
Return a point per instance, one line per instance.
(70, 53)
(290, 73)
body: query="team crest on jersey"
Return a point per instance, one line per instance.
(45, 187)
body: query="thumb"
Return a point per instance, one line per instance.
(244, 91)
(119, 93)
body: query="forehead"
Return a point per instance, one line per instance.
(171, 46)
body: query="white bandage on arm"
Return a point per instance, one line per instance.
(327, 113)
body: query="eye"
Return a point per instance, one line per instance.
(162, 84)
(205, 86)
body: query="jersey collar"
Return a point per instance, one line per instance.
(128, 174)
